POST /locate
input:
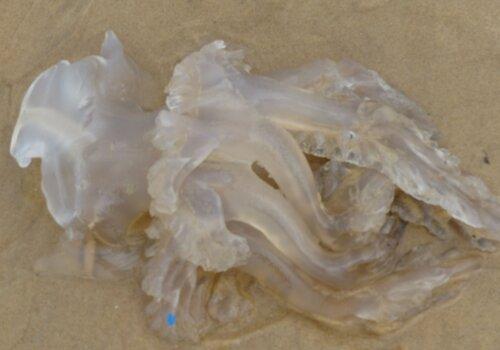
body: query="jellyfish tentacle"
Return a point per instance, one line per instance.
(382, 305)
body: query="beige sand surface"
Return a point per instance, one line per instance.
(444, 54)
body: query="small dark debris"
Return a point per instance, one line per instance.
(486, 159)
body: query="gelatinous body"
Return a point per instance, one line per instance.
(298, 184)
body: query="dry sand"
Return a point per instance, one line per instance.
(444, 54)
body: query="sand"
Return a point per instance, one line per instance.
(443, 54)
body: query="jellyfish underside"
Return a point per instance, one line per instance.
(297, 186)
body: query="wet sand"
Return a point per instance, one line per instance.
(444, 54)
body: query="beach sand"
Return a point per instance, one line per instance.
(443, 54)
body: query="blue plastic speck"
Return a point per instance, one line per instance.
(170, 319)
